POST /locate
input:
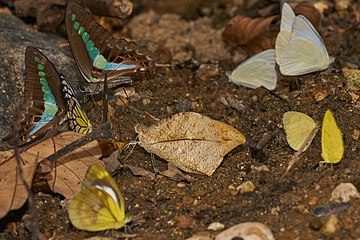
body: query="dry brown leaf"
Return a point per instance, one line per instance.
(310, 12)
(12, 190)
(259, 44)
(109, 147)
(191, 141)
(241, 29)
(13, 193)
(70, 170)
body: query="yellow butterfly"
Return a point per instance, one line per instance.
(332, 143)
(300, 130)
(99, 205)
(78, 120)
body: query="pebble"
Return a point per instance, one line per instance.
(343, 192)
(247, 186)
(331, 226)
(247, 231)
(216, 226)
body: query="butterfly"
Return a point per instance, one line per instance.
(304, 50)
(257, 71)
(44, 107)
(97, 52)
(99, 205)
(300, 130)
(332, 143)
(78, 120)
(283, 37)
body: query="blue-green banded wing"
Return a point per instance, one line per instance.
(43, 108)
(97, 52)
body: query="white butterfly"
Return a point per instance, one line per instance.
(305, 51)
(257, 71)
(287, 19)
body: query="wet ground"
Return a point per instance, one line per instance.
(168, 209)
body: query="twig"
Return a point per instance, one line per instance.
(36, 234)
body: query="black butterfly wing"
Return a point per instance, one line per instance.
(44, 105)
(97, 52)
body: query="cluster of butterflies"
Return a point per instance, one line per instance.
(50, 101)
(299, 50)
(49, 98)
(301, 129)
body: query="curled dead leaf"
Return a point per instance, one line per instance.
(259, 44)
(240, 29)
(191, 141)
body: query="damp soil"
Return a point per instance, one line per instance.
(163, 208)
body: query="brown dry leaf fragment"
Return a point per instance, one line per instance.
(13, 193)
(310, 12)
(70, 170)
(191, 141)
(241, 29)
(109, 147)
(139, 171)
(259, 44)
(175, 174)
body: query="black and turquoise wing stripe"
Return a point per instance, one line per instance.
(97, 52)
(44, 107)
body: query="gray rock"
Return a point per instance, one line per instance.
(15, 36)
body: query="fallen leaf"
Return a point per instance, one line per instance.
(241, 29)
(13, 193)
(175, 174)
(259, 44)
(247, 231)
(191, 141)
(138, 171)
(70, 170)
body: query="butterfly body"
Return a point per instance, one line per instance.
(100, 204)
(44, 108)
(97, 52)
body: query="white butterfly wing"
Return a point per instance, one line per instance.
(257, 71)
(282, 39)
(305, 52)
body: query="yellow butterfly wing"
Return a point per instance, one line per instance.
(78, 120)
(332, 143)
(300, 129)
(100, 204)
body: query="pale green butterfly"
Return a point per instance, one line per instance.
(257, 71)
(305, 51)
